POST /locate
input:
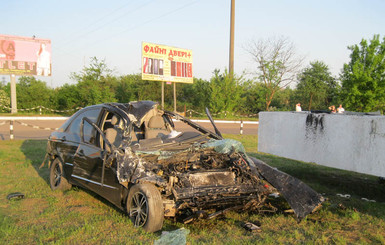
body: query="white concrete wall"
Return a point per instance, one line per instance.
(349, 142)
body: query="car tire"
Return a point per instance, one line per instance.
(57, 178)
(145, 207)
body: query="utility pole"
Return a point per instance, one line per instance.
(231, 62)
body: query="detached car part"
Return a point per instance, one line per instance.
(15, 196)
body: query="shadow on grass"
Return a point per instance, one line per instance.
(34, 150)
(99, 198)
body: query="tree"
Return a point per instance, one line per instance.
(96, 71)
(283, 100)
(225, 91)
(363, 78)
(316, 86)
(195, 95)
(254, 97)
(67, 97)
(128, 88)
(5, 101)
(32, 92)
(277, 64)
(95, 84)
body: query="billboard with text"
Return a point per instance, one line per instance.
(25, 56)
(165, 63)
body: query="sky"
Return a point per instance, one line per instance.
(114, 30)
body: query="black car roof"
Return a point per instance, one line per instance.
(137, 108)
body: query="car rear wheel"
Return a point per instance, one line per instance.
(145, 207)
(57, 178)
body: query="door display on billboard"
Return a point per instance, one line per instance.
(165, 63)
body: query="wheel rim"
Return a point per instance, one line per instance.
(57, 175)
(139, 209)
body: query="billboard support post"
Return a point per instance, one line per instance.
(174, 97)
(162, 95)
(13, 94)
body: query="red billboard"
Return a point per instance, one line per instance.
(25, 56)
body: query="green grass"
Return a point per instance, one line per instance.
(78, 216)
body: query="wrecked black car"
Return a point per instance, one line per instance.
(133, 155)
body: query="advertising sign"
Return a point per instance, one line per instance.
(25, 56)
(165, 63)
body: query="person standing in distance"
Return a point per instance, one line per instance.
(298, 107)
(340, 109)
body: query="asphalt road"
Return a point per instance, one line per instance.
(28, 132)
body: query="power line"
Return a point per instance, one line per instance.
(103, 25)
(94, 22)
(142, 24)
(111, 12)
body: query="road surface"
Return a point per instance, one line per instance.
(26, 130)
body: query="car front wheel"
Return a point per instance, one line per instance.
(145, 207)
(57, 178)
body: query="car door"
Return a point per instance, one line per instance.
(87, 154)
(67, 139)
(89, 160)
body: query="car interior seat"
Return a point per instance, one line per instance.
(114, 134)
(156, 127)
